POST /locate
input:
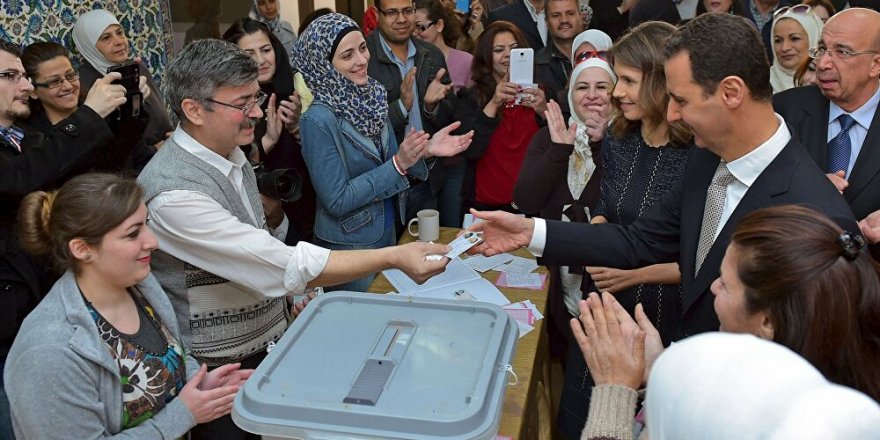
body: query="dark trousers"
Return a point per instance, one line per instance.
(224, 428)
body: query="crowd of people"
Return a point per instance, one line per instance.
(680, 167)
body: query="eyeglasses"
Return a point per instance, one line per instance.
(796, 9)
(423, 27)
(246, 108)
(839, 53)
(13, 76)
(395, 13)
(587, 54)
(56, 82)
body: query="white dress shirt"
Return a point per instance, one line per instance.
(746, 169)
(863, 116)
(540, 19)
(197, 229)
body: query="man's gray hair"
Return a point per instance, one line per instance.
(201, 68)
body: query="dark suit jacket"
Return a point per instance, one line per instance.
(517, 14)
(670, 230)
(806, 111)
(44, 161)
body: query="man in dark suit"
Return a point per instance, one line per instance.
(847, 95)
(747, 161)
(528, 16)
(29, 161)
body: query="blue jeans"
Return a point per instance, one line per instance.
(6, 432)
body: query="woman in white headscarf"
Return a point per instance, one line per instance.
(101, 41)
(562, 181)
(269, 12)
(590, 40)
(795, 30)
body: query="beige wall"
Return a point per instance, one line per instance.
(290, 10)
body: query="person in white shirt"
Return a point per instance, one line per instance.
(220, 258)
(748, 161)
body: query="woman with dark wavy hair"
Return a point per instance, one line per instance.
(504, 117)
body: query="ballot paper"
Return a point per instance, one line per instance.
(525, 314)
(481, 263)
(458, 282)
(533, 281)
(518, 265)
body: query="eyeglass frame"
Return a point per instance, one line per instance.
(587, 54)
(258, 100)
(14, 76)
(818, 53)
(70, 77)
(802, 8)
(395, 13)
(424, 27)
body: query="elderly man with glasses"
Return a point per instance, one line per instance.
(837, 120)
(29, 161)
(219, 259)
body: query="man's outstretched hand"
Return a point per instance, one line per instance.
(502, 232)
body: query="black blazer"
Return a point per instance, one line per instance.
(670, 230)
(517, 14)
(806, 111)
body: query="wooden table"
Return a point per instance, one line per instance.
(526, 413)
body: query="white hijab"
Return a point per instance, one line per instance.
(87, 30)
(783, 79)
(719, 386)
(581, 164)
(600, 40)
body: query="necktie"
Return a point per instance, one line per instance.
(715, 197)
(13, 136)
(840, 147)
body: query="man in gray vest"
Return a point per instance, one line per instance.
(222, 264)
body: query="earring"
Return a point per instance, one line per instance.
(88, 257)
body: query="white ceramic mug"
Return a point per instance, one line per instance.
(428, 226)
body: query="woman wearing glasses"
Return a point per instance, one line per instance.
(642, 157)
(102, 42)
(56, 96)
(795, 30)
(435, 24)
(360, 175)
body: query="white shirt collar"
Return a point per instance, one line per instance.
(236, 159)
(863, 115)
(533, 12)
(747, 168)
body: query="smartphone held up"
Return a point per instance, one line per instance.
(130, 79)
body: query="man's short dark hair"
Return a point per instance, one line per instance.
(14, 49)
(721, 45)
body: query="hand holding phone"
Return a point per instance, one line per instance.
(129, 79)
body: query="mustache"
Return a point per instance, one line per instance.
(248, 123)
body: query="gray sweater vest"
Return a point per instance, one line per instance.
(216, 334)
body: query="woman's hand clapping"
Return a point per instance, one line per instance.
(559, 132)
(445, 144)
(209, 404)
(413, 148)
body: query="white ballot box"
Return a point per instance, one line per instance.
(368, 366)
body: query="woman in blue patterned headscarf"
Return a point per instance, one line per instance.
(360, 175)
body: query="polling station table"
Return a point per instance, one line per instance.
(526, 411)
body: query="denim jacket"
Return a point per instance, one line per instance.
(352, 177)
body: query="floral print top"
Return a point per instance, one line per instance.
(150, 378)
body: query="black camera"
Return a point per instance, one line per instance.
(284, 184)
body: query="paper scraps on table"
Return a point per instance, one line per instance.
(525, 314)
(531, 281)
(518, 265)
(482, 263)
